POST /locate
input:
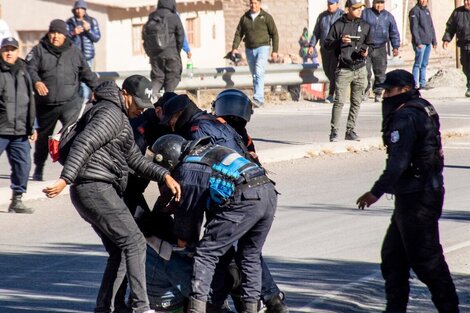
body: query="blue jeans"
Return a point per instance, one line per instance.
(257, 60)
(168, 282)
(19, 156)
(85, 92)
(421, 62)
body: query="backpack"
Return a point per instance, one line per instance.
(155, 34)
(60, 143)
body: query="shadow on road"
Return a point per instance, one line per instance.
(65, 278)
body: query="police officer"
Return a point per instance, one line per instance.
(235, 108)
(458, 24)
(414, 175)
(240, 201)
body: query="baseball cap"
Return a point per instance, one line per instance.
(141, 89)
(355, 4)
(174, 105)
(397, 78)
(333, 1)
(10, 41)
(164, 99)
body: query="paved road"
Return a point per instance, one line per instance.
(296, 129)
(323, 251)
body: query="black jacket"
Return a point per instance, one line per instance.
(349, 53)
(459, 24)
(421, 26)
(105, 150)
(17, 107)
(61, 72)
(414, 151)
(167, 9)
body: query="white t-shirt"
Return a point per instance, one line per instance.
(254, 15)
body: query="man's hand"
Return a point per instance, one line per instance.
(41, 88)
(33, 137)
(86, 25)
(445, 44)
(173, 185)
(310, 51)
(434, 46)
(346, 39)
(395, 52)
(234, 51)
(364, 53)
(78, 30)
(189, 54)
(181, 243)
(366, 200)
(274, 56)
(55, 189)
(419, 46)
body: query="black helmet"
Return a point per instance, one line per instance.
(233, 102)
(168, 150)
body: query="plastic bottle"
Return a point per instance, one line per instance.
(189, 68)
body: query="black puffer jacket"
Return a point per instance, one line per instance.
(105, 150)
(17, 108)
(61, 70)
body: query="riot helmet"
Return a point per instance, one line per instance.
(233, 102)
(168, 150)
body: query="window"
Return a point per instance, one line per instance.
(192, 32)
(28, 39)
(137, 44)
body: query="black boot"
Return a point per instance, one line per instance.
(17, 206)
(196, 306)
(38, 173)
(276, 304)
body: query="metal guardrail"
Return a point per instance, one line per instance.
(236, 77)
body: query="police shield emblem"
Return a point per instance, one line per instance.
(395, 136)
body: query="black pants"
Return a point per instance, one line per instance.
(329, 62)
(166, 73)
(47, 117)
(465, 61)
(376, 63)
(412, 242)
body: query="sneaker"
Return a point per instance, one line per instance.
(365, 96)
(467, 94)
(378, 97)
(329, 99)
(333, 136)
(257, 103)
(351, 135)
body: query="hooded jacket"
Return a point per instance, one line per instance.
(86, 40)
(349, 53)
(60, 71)
(105, 150)
(167, 9)
(17, 106)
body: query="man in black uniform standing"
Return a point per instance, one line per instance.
(413, 174)
(459, 24)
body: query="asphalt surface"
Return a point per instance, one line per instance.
(291, 130)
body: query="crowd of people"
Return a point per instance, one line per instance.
(205, 163)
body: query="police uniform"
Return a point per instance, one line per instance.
(413, 174)
(240, 201)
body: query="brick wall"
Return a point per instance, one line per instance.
(290, 18)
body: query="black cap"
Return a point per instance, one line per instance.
(140, 88)
(397, 78)
(58, 26)
(164, 98)
(174, 105)
(10, 41)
